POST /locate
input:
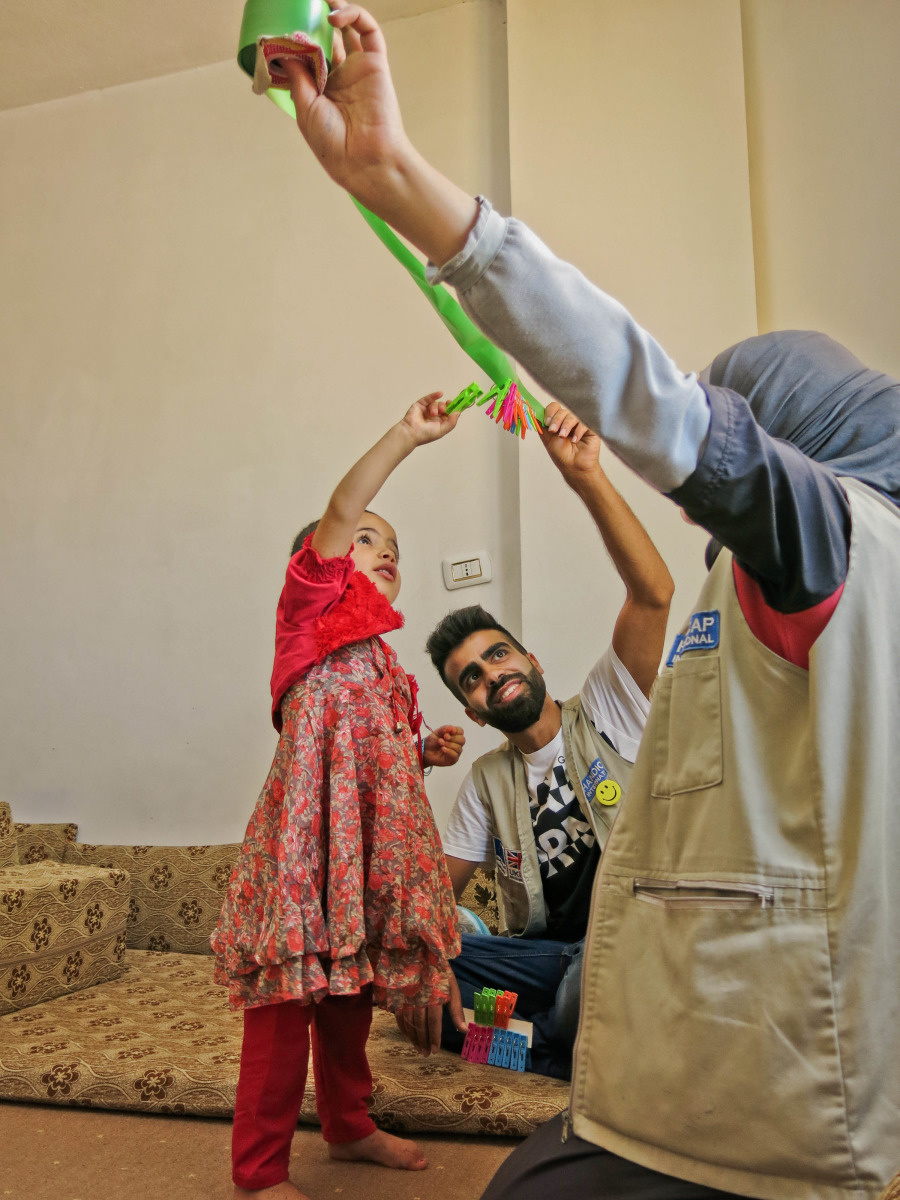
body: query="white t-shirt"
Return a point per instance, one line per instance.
(616, 707)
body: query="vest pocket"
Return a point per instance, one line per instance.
(515, 906)
(687, 728)
(723, 1026)
(702, 893)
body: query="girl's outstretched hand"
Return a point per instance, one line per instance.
(354, 128)
(443, 746)
(428, 419)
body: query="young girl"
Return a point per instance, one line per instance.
(340, 896)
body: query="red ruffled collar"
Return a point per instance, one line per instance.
(361, 612)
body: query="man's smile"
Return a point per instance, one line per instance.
(508, 689)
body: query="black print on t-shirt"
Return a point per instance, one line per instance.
(561, 833)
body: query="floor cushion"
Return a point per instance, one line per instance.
(37, 842)
(61, 929)
(176, 891)
(162, 1039)
(9, 854)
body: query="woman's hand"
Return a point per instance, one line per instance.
(443, 746)
(354, 128)
(356, 132)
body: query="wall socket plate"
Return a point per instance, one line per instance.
(465, 570)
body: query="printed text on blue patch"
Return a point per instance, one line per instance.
(702, 633)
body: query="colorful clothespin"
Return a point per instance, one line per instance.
(506, 1002)
(507, 406)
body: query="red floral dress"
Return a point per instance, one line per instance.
(341, 879)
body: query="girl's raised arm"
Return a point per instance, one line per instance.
(426, 421)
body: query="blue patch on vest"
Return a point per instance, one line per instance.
(702, 633)
(596, 774)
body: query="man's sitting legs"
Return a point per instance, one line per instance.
(545, 974)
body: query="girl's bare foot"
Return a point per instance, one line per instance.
(281, 1191)
(383, 1148)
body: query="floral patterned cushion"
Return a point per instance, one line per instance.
(61, 929)
(9, 854)
(480, 897)
(176, 891)
(162, 1039)
(39, 842)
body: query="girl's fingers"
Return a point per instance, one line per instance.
(435, 1018)
(452, 739)
(420, 1022)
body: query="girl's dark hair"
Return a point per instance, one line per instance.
(303, 535)
(453, 630)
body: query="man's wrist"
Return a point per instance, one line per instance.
(584, 482)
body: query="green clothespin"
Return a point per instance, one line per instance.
(465, 399)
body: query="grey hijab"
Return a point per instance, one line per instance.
(806, 389)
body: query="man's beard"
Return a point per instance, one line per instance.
(516, 715)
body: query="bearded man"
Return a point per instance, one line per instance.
(540, 807)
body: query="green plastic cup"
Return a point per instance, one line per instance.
(280, 18)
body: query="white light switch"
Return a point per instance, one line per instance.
(470, 569)
(465, 570)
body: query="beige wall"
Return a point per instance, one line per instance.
(198, 334)
(823, 105)
(623, 165)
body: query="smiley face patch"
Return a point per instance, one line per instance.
(598, 786)
(608, 793)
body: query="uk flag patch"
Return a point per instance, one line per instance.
(509, 862)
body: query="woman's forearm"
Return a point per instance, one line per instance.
(583, 347)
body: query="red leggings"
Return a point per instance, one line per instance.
(274, 1062)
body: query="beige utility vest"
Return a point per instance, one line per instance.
(740, 1021)
(598, 775)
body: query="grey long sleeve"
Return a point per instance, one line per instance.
(785, 517)
(582, 346)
